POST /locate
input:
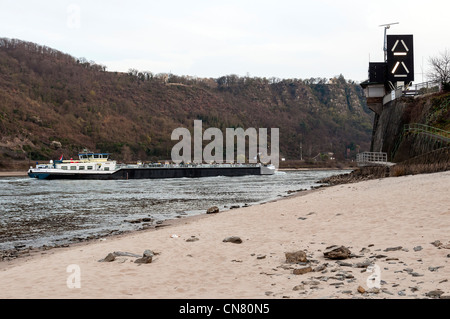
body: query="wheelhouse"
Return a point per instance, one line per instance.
(93, 157)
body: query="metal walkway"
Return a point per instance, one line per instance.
(372, 159)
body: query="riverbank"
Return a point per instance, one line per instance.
(13, 174)
(395, 227)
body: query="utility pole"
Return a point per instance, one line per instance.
(301, 151)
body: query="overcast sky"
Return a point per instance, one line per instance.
(207, 38)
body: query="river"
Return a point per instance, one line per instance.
(36, 212)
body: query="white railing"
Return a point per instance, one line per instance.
(371, 158)
(422, 88)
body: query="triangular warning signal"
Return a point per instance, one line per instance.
(400, 48)
(400, 70)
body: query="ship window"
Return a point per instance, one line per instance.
(73, 168)
(81, 168)
(64, 167)
(89, 167)
(106, 168)
(95, 155)
(105, 156)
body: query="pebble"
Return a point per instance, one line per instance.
(415, 274)
(233, 239)
(295, 257)
(337, 252)
(320, 268)
(378, 256)
(364, 250)
(344, 264)
(387, 292)
(434, 294)
(298, 287)
(110, 257)
(364, 264)
(436, 243)
(302, 270)
(373, 290)
(145, 259)
(213, 210)
(311, 282)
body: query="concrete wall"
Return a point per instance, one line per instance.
(388, 126)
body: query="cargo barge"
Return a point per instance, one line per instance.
(98, 166)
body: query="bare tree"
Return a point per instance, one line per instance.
(440, 68)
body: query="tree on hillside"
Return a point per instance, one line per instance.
(440, 69)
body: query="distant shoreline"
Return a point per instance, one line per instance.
(317, 169)
(13, 174)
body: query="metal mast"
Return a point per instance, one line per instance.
(386, 27)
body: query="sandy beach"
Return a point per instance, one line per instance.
(397, 228)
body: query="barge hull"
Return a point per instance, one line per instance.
(154, 173)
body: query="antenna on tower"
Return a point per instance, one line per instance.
(386, 27)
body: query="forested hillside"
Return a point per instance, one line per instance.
(52, 103)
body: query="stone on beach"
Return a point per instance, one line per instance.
(125, 254)
(109, 258)
(233, 239)
(393, 248)
(296, 257)
(434, 294)
(302, 270)
(213, 210)
(146, 258)
(337, 252)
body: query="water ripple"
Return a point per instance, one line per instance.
(40, 212)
